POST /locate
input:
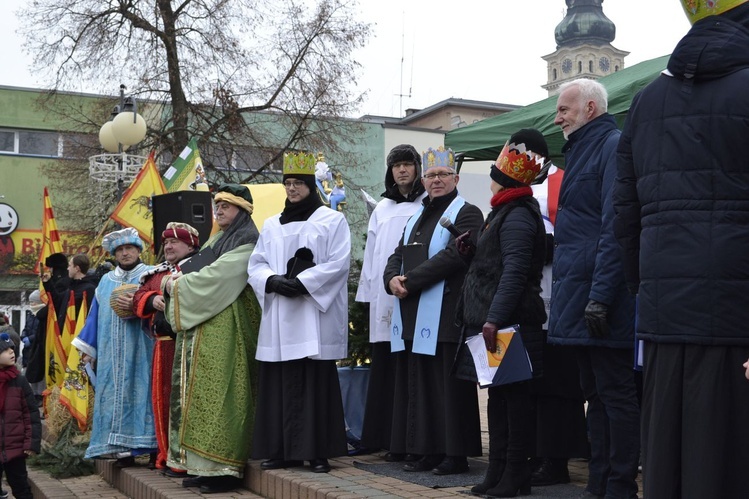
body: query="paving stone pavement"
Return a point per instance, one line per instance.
(343, 482)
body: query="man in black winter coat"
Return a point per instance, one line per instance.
(434, 414)
(682, 217)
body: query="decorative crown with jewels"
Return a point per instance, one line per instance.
(697, 9)
(438, 157)
(519, 163)
(299, 163)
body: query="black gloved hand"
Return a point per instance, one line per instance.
(465, 245)
(489, 331)
(595, 319)
(161, 325)
(299, 286)
(283, 286)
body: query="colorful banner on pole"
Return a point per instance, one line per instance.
(135, 208)
(76, 390)
(50, 234)
(187, 170)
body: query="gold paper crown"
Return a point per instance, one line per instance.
(299, 163)
(697, 9)
(519, 163)
(438, 157)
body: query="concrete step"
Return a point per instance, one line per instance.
(344, 482)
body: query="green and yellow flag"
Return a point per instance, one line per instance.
(186, 171)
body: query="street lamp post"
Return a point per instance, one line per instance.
(125, 128)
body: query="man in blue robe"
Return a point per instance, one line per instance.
(123, 423)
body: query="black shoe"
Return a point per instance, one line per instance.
(394, 457)
(319, 465)
(426, 463)
(169, 472)
(277, 464)
(412, 458)
(589, 495)
(152, 461)
(516, 481)
(125, 462)
(196, 481)
(550, 472)
(491, 479)
(219, 484)
(452, 465)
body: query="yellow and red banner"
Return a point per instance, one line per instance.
(76, 390)
(50, 234)
(55, 359)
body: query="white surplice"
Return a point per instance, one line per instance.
(314, 325)
(383, 235)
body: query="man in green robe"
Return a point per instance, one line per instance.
(215, 316)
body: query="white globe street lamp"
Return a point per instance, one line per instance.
(125, 128)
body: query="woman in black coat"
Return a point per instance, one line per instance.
(502, 289)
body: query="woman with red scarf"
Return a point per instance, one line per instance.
(502, 289)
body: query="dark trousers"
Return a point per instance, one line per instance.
(18, 479)
(695, 422)
(608, 383)
(509, 412)
(434, 412)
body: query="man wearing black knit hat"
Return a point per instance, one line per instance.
(402, 197)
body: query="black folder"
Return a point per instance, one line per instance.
(204, 258)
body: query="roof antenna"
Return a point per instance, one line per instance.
(403, 58)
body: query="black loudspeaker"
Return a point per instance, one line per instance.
(190, 207)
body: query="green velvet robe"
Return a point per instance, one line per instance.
(216, 317)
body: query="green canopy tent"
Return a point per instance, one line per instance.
(484, 140)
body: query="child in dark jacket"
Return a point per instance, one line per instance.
(20, 424)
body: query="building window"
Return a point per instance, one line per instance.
(590, 66)
(30, 143)
(7, 142)
(554, 72)
(579, 66)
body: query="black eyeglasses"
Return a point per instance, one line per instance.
(296, 184)
(441, 175)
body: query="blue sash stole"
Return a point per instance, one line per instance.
(429, 310)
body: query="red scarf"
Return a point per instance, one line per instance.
(506, 195)
(6, 375)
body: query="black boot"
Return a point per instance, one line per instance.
(552, 471)
(516, 480)
(492, 477)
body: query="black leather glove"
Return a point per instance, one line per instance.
(299, 286)
(465, 245)
(161, 325)
(489, 331)
(595, 319)
(284, 287)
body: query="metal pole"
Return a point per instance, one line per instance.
(120, 159)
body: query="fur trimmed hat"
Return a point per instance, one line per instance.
(182, 231)
(56, 261)
(118, 238)
(401, 153)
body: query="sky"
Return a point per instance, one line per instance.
(425, 51)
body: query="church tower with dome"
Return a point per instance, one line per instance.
(584, 47)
